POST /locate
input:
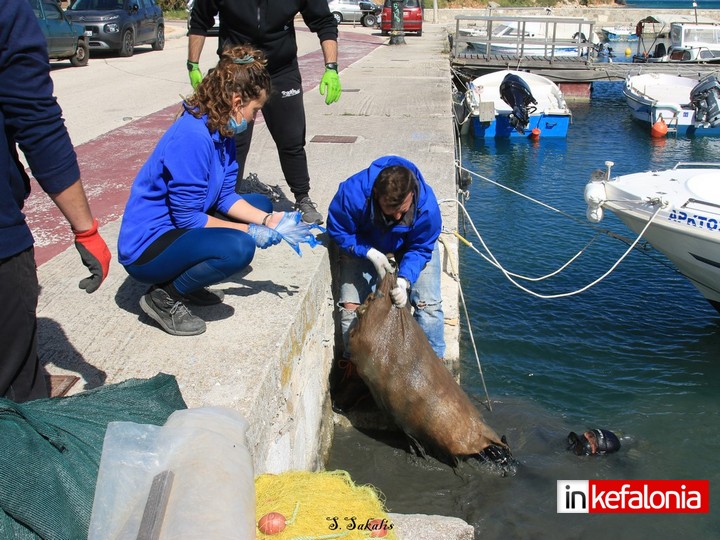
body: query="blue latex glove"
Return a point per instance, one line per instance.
(264, 236)
(294, 231)
(330, 86)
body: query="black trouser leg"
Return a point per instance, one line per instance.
(21, 377)
(284, 115)
(242, 147)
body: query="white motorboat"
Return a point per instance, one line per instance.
(683, 204)
(514, 104)
(526, 39)
(690, 42)
(685, 105)
(617, 33)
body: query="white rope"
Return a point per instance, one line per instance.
(493, 260)
(456, 277)
(486, 179)
(496, 265)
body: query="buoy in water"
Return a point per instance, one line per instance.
(535, 134)
(628, 51)
(659, 129)
(272, 523)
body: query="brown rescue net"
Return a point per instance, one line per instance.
(407, 380)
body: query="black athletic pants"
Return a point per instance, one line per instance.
(21, 377)
(284, 115)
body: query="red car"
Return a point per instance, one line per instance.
(412, 17)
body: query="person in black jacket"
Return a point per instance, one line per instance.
(31, 118)
(269, 26)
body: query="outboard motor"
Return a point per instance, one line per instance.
(515, 92)
(705, 99)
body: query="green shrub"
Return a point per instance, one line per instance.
(172, 5)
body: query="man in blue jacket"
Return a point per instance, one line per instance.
(388, 208)
(269, 26)
(31, 118)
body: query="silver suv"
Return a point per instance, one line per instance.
(362, 11)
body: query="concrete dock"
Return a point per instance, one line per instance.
(269, 347)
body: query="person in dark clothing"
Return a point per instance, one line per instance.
(269, 25)
(31, 118)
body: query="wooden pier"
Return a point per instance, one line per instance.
(559, 33)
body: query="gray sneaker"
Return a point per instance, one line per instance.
(309, 211)
(172, 315)
(205, 297)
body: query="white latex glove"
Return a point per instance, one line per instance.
(380, 262)
(399, 294)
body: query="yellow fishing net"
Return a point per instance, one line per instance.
(321, 505)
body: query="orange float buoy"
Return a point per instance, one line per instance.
(378, 528)
(535, 134)
(659, 128)
(272, 523)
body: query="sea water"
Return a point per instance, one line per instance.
(673, 4)
(639, 353)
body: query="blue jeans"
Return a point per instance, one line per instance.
(358, 279)
(200, 257)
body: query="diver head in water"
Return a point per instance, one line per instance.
(593, 442)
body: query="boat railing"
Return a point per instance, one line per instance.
(531, 33)
(700, 202)
(697, 165)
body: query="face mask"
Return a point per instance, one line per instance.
(236, 128)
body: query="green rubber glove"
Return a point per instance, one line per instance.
(195, 74)
(330, 86)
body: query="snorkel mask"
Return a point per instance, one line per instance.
(592, 442)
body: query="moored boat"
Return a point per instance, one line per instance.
(527, 39)
(684, 105)
(618, 33)
(683, 205)
(691, 42)
(511, 104)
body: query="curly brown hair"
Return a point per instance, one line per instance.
(240, 71)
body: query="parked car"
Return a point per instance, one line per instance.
(65, 40)
(120, 25)
(362, 11)
(214, 31)
(412, 17)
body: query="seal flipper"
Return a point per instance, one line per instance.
(500, 457)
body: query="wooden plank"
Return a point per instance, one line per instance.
(155, 507)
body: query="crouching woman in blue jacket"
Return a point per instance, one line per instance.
(170, 237)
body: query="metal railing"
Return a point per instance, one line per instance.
(523, 36)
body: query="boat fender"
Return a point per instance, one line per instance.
(535, 134)
(659, 129)
(595, 196)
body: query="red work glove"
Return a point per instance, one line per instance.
(95, 256)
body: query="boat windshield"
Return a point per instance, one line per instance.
(692, 35)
